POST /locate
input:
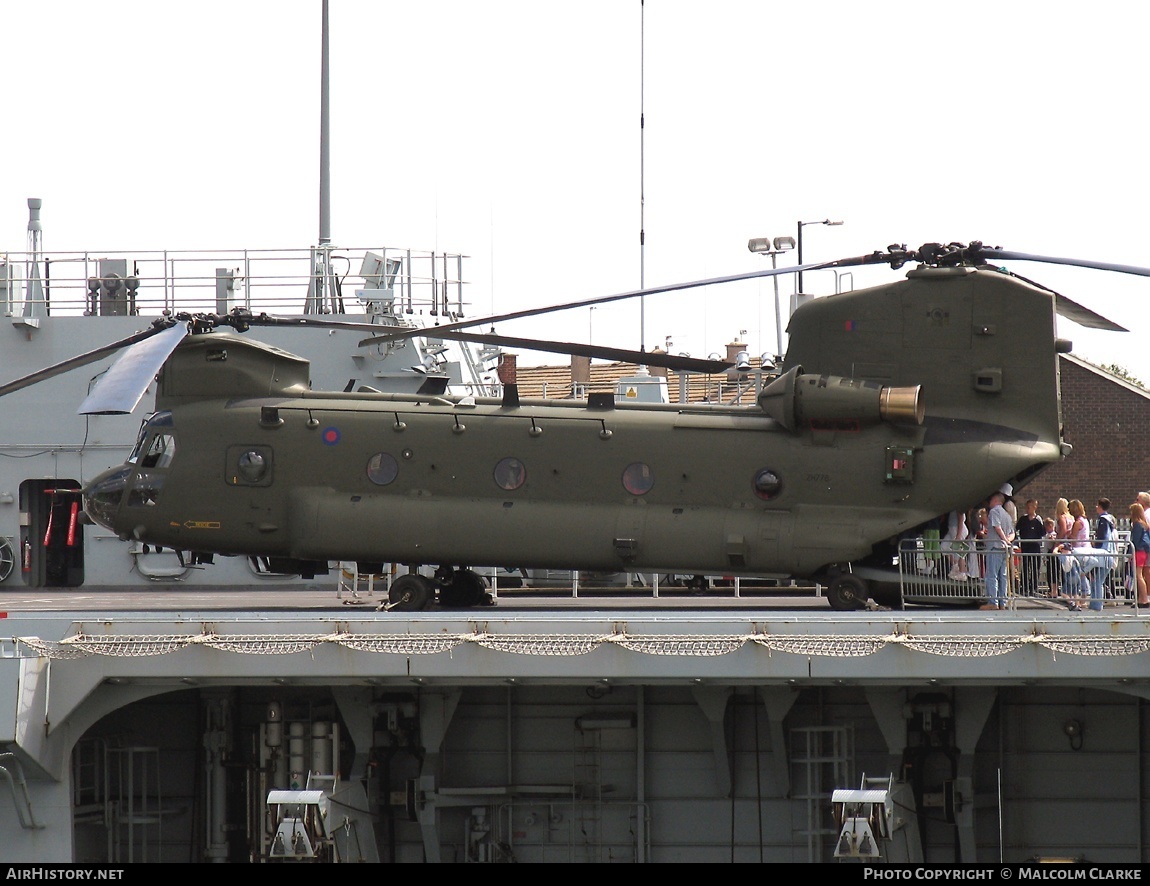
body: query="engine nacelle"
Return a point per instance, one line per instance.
(795, 400)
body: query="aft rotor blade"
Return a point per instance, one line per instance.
(1006, 255)
(1071, 310)
(643, 358)
(1083, 316)
(122, 386)
(1066, 307)
(79, 360)
(587, 302)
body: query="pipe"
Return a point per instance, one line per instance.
(10, 759)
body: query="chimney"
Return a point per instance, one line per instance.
(506, 369)
(733, 350)
(580, 370)
(658, 371)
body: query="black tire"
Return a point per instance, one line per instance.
(847, 593)
(467, 588)
(410, 593)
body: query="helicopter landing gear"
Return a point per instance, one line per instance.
(847, 593)
(410, 593)
(461, 587)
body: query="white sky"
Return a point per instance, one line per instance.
(508, 130)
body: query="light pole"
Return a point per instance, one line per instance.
(800, 226)
(767, 246)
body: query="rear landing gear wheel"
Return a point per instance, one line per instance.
(466, 588)
(847, 593)
(410, 593)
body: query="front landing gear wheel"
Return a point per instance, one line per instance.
(410, 593)
(847, 593)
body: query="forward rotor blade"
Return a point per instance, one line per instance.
(122, 386)
(643, 358)
(587, 302)
(79, 360)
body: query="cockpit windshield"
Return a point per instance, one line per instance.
(156, 445)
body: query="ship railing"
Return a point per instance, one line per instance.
(933, 570)
(404, 282)
(354, 585)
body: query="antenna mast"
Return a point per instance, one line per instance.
(642, 174)
(322, 286)
(324, 139)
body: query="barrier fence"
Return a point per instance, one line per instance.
(939, 571)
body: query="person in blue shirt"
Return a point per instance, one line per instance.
(1104, 526)
(999, 544)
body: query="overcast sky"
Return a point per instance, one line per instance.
(508, 130)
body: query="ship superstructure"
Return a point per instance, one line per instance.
(59, 305)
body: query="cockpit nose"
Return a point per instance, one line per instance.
(103, 496)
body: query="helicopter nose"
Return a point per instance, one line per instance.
(102, 496)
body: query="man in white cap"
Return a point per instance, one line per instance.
(1008, 501)
(999, 543)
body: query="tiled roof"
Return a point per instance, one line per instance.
(554, 382)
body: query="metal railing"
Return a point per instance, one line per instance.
(940, 571)
(148, 282)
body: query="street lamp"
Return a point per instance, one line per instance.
(801, 225)
(766, 246)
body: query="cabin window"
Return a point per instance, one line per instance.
(249, 465)
(767, 484)
(510, 474)
(382, 469)
(638, 478)
(252, 465)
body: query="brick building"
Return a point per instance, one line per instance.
(1104, 417)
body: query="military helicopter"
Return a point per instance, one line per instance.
(894, 405)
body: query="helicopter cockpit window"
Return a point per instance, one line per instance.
(767, 484)
(638, 478)
(152, 422)
(382, 469)
(249, 465)
(160, 451)
(146, 489)
(510, 473)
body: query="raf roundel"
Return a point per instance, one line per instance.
(330, 436)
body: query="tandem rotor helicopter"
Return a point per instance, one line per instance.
(894, 405)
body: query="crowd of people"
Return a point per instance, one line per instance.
(1067, 557)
